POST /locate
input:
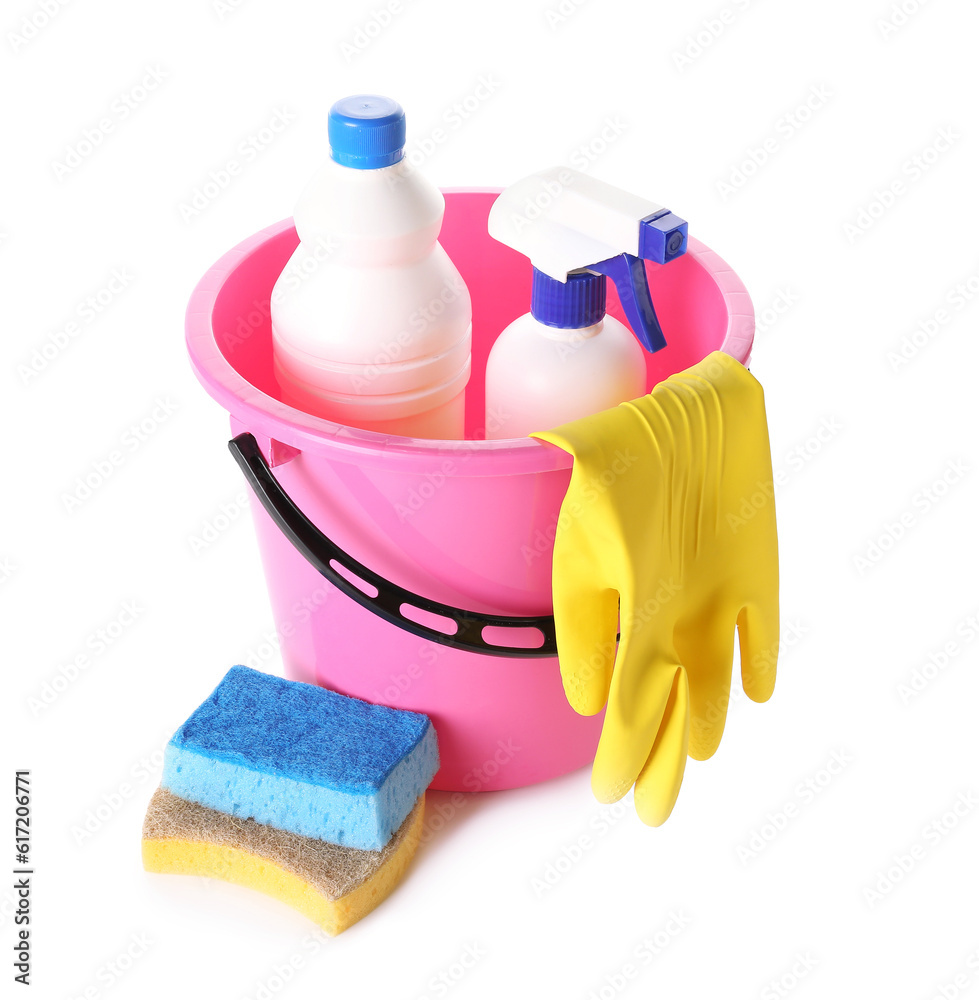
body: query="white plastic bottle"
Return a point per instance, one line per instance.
(566, 358)
(371, 321)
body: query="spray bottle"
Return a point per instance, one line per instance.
(566, 358)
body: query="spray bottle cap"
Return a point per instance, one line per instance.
(568, 223)
(573, 304)
(366, 131)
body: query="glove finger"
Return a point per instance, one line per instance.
(705, 647)
(586, 619)
(638, 697)
(658, 785)
(586, 604)
(758, 633)
(758, 622)
(586, 626)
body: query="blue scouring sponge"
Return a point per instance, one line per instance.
(303, 759)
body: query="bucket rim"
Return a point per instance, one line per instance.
(270, 417)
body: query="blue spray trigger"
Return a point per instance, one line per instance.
(629, 274)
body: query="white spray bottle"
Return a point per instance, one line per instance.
(566, 358)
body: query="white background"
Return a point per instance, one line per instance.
(861, 442)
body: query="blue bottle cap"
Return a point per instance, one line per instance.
(366, 131)
(574, 304)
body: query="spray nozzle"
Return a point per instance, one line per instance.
(568, 223)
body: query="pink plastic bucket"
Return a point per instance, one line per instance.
(465, 523)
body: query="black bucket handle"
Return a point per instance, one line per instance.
(324, 555)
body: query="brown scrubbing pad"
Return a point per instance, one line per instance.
(332, 885)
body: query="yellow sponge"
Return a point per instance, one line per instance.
(332, 885)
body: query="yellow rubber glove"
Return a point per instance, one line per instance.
(669, 522)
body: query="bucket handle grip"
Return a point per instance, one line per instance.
(325, 555)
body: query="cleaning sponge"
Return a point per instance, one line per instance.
(334, 886)
(303, 759)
